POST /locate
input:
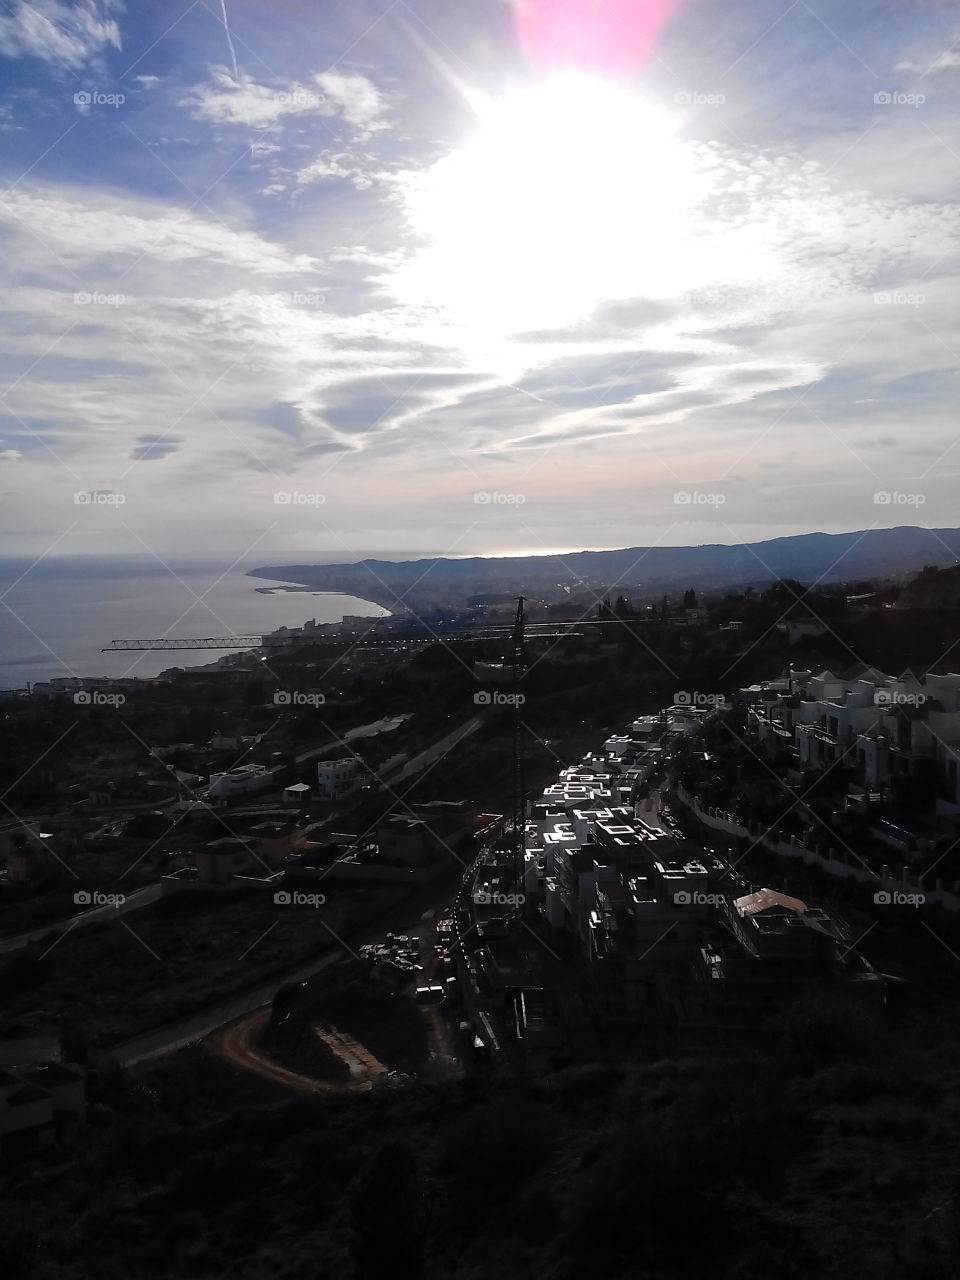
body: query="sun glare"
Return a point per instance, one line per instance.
(572, 191)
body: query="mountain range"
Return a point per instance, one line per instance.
(887, 554)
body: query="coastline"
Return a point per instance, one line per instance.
(67, 646)
(363, 586)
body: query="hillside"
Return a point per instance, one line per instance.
(885, 553)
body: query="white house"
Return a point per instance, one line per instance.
(245, 779)
(338, 778)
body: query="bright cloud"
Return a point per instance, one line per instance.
(352, 98)
(400, 290)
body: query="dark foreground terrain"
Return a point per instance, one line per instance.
(835, 1152)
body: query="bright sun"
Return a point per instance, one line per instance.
(573, 191)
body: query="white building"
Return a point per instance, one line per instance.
(338, 778)
(245, 779)
(887, 727)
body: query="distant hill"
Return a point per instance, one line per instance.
(810, 557)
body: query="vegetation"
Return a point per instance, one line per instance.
(841, 1160)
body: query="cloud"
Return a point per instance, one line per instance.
(355, 98)
(69, 35)
(244, 101)
(151, 448)
(761, 355)
(933, 62)
(77, 227)
(340, 165)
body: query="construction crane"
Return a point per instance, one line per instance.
(261, 642)
(519, 781)
(369, 642)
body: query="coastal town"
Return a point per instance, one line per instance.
(697, 870)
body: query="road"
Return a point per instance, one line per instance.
(404, 917)
(132, 902)
(438, 750)
(236, 1044)
(385, 725)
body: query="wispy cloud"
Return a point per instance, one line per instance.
(56, 31)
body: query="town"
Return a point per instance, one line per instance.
(693, 871)
(640, 838)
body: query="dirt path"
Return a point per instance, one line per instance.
(235, 1044)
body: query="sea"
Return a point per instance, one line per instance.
(56, 614)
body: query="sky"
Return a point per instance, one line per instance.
(314, 277)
